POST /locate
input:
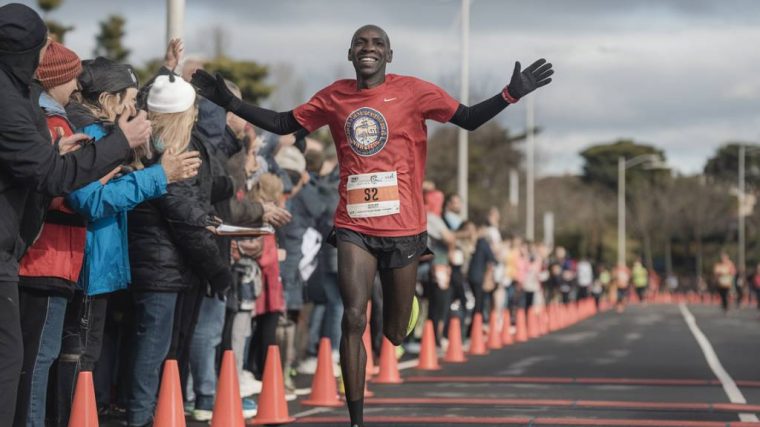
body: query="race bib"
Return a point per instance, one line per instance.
(372, 194)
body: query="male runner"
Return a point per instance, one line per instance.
(378, 124)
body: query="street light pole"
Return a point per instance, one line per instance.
(175, 17)
(464, 94)
(530, 230)
(621, 211)
(740, 211)
(654, 162)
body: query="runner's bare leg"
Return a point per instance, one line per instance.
(356, 274)
(398, 291)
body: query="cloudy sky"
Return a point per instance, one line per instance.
(682, 75)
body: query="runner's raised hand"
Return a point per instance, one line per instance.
(215, 90)
(526, 81)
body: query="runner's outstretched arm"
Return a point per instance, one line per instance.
(215, 90)
(521, 84)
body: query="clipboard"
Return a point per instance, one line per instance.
(237, 231)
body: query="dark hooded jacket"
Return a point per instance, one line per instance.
(169, 248)
(31, 170)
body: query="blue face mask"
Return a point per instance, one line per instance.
(158, 145)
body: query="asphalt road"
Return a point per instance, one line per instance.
(644, 367)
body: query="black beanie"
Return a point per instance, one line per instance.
(21, 29)
(104, 75)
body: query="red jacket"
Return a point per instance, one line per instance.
(58, 252)
(272, 298)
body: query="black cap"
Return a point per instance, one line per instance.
(21, 29)
(104, 75)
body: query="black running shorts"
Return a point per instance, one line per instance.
(390, 252)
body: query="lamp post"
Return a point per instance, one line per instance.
(175, 18)
(652, 161)
(464, 94)
(530, 171)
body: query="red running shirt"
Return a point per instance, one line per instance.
(381, 140)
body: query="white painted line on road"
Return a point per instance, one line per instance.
(729, 386)
(408, 364)
(312, 411)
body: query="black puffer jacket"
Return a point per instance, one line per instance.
(31, 169)
(169, 247)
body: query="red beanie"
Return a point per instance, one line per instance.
(58, 66)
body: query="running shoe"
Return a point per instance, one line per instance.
(250, 409)
(290, 389)
(414, 316)
(204, 407)
(249, 385)
(202, 414)
(308, 366)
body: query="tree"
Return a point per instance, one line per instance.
(248, 75)
(57, 30)
(584, 215)
(48, 6)
(601, 163)
(109, 41)
(724, 165)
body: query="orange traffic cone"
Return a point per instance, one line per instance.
(84, 410)
(324, 391)
(494, 334)
(273, 409)
(532, 323)
(544, 324)
(455, 353)
(506, 329)
(553, 324)
(477, 346)
(388, 365)
(228, 408)
(428, 357)
(522, 333)
(169, 410)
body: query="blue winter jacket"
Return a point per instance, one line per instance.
(106, 256)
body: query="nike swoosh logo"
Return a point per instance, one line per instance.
(389, 99)
(410, 256)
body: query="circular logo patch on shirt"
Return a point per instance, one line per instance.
(366, 131)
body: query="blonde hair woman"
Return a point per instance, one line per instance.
(175, 260)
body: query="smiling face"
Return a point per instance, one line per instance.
(370, 51)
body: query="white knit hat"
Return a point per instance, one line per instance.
(170, 95)
(290, 158)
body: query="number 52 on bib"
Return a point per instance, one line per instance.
(372, 195)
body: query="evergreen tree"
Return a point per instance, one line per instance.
(57, 30)
(109, 41)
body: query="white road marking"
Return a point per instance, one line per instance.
(408, 364)
(729, 386)
(312, 411)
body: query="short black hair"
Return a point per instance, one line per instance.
(372, 27)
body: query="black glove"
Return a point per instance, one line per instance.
(219, 284)
(527, 81)
(212, 293)
(215, 90)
